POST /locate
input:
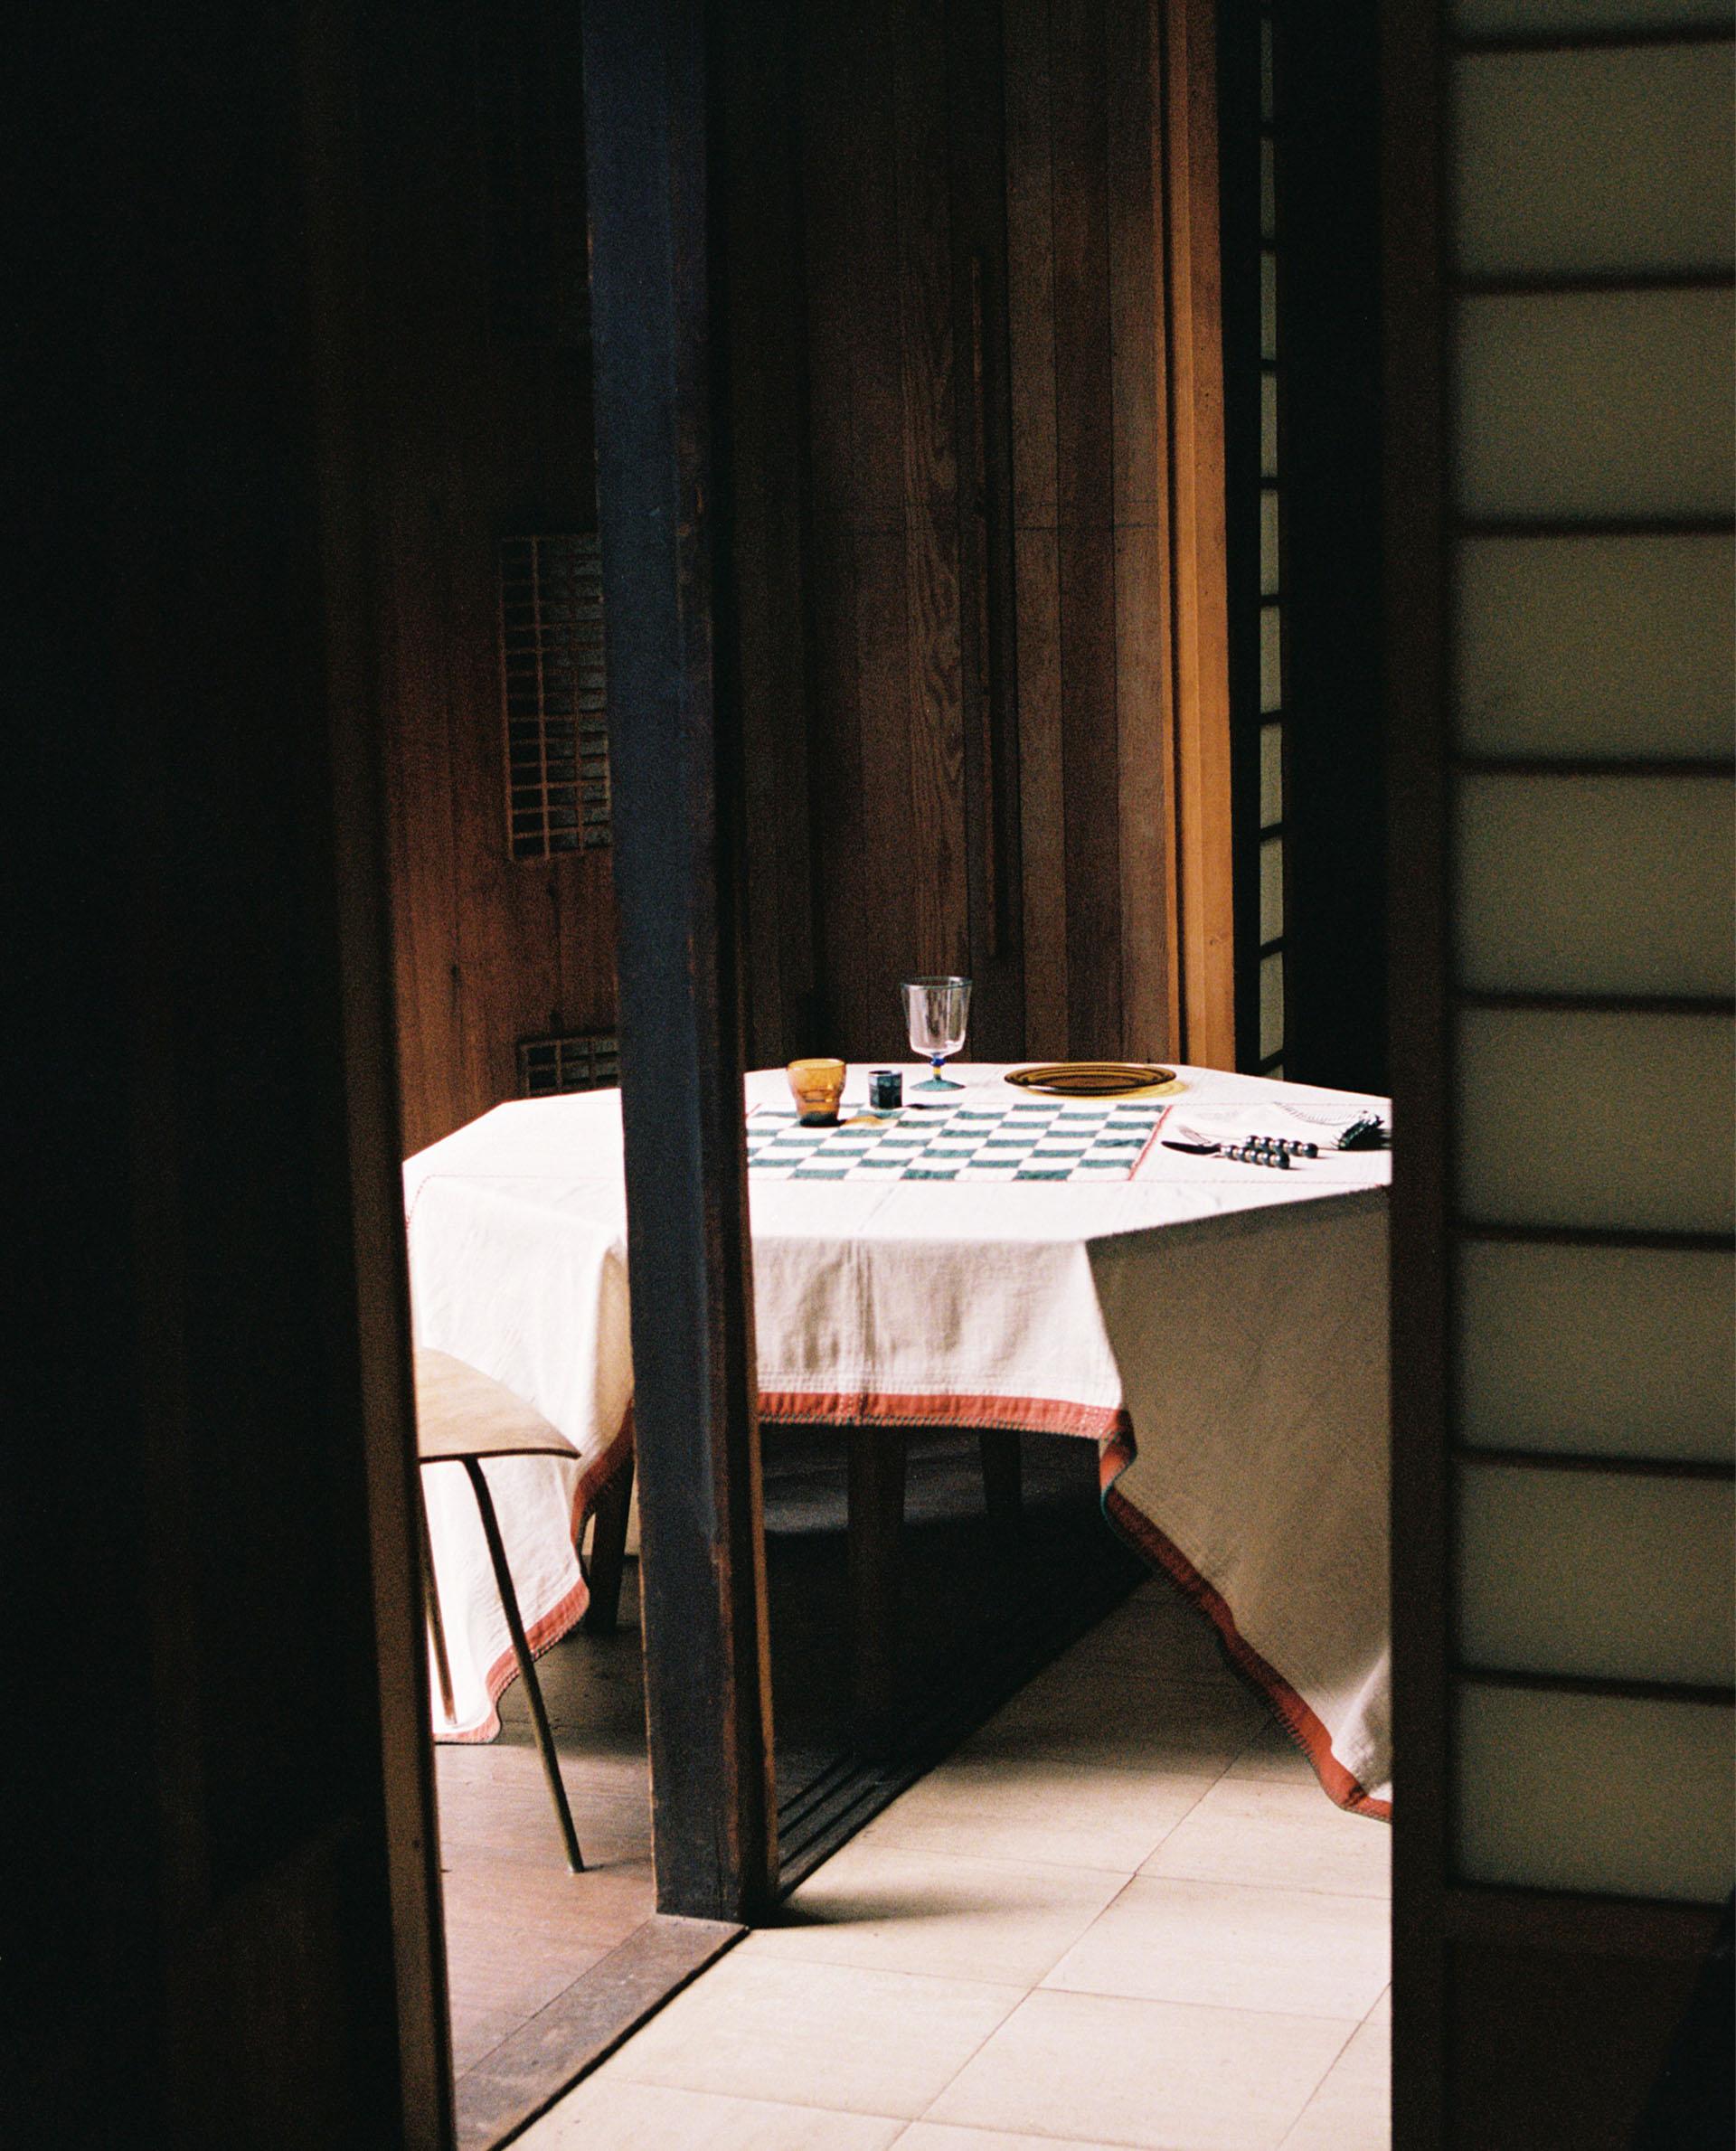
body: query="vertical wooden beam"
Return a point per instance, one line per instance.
(1414, 457)
(772, 573)
(1188, 149)
(654, 286)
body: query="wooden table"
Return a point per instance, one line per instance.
(886, 1305)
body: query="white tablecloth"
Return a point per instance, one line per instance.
(1219, 1329)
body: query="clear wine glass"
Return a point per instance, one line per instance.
(935, 1011)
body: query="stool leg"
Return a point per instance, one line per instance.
(609, 1551)
(431, 1605)
(526, 1665)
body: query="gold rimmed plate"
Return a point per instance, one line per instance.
(1098, 1079)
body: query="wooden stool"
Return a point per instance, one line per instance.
(462, 1416)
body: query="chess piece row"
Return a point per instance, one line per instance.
(1258, 1151)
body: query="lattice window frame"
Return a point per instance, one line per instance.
(554, 713)
(564, 1062)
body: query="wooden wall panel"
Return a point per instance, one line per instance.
(888, 716)
(1091, 491)
(1146, 739)
(1031, 263)
(478, 435)
(1031, 312)
(952, 340)
(1043, 793)
(1090, 771)
(989, 747)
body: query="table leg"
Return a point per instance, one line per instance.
(609, 1551)
(876, 1513)
(1002, 1486)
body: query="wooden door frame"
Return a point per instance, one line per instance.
(659, 339)
(1187, 177)
(1415, 583)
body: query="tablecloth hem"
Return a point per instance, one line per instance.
(880, 1408)
(1304, 1728)
(549, 1628)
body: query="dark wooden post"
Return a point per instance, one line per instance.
(655, 325)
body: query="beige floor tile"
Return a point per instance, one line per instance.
(815, 2034)
(937, 2135)
(901, 1908)
(1299, 1951)
(1352, 2109)
(1066, 1815)
(607, 2113)
(1273, 1754)
(1104, 1716)
(1247, 1830)
(1166, 1638)
(1381, 2013)
(1159, 2075)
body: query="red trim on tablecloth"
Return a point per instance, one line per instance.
(1111, 1428)
(550, 1627)
(882, 1408)
(1299, 1719)
(1150, 1139)
(1109, 1425)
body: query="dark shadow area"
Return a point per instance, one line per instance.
(981, 1613)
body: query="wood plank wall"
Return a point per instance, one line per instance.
(891, 419)
(1091, 529)
(959, 288)
(478, 434)
(979, 247)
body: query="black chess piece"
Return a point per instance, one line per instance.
(1367, 1132)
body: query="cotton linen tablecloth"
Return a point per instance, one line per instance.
(1218, 1328)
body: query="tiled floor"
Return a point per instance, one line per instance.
(1123, 1915)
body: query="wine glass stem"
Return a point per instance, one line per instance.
(937, 1059)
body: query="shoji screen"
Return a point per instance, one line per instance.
(1575, 1136)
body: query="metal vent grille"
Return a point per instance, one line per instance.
(552, 691)
(547, 1066)
(530, 103)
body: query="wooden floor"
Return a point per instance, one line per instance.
(541, 1962)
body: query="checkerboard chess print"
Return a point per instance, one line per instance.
(1040, 1139)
